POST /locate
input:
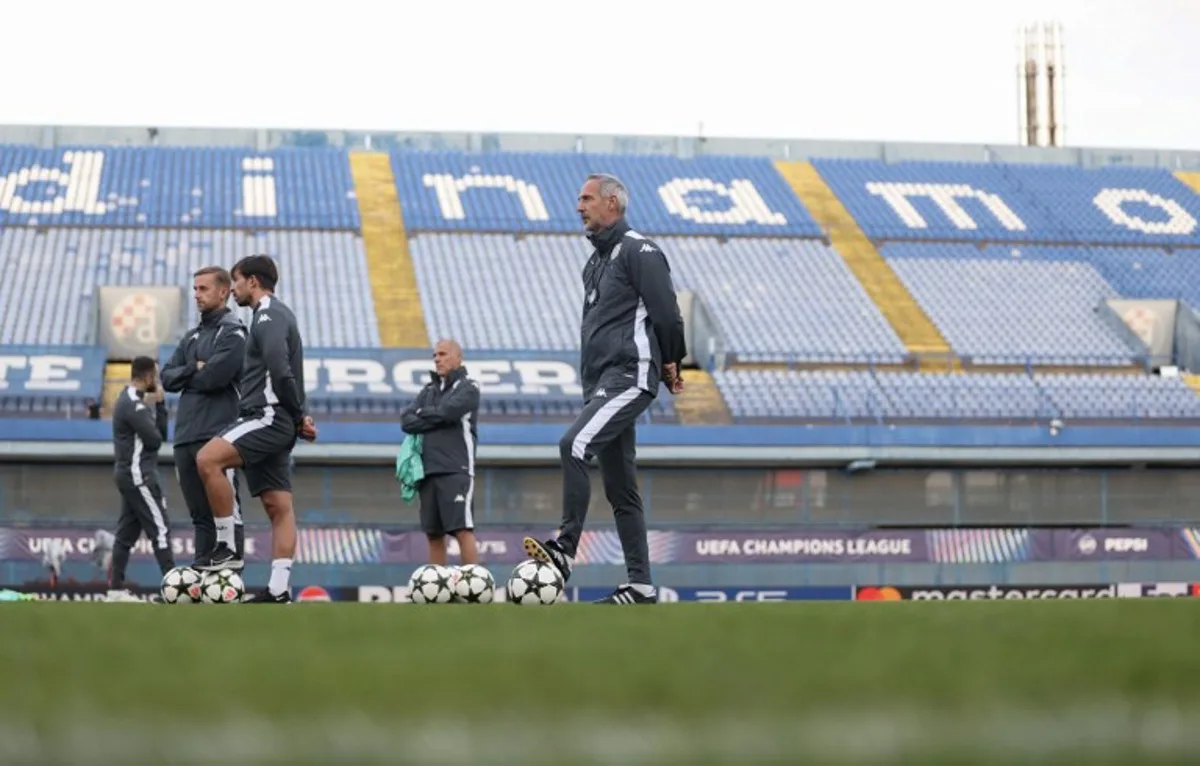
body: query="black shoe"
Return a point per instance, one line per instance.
(550, 552)
(222, 557)
(627, 594)
(265, 596)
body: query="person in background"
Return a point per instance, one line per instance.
(205, 369)
(445, 413)
(139, 427)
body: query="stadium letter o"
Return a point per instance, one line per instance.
(1111, 202)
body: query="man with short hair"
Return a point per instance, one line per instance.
(445, 414)
(139, 426)
(205, 369)
(632, 338)
(272, 414)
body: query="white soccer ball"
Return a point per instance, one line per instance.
(533, 582)
(431, 584)
(474, 585)
(224, 586)
(181, 585)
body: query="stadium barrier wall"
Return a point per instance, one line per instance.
(378, 443)
(55, 492)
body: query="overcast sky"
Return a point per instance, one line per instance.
(921, 70)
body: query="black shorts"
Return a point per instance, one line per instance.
(265, 441)
(446, 503)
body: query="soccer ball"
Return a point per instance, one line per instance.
(222, 587)
(533, 582)
(181, 586)
(431, 584)
(474, 585)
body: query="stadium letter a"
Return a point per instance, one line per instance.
(79, 187)
(746, 204)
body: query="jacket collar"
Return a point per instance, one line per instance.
(214, 317)
(452, 378)
(605, 239)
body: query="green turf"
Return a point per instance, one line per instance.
(681, 681)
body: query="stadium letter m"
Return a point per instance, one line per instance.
(946, 197)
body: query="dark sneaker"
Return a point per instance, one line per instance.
(627, 594)
(550, 552)
(265, 596)
(222, 557)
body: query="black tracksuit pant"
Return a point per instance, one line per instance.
(196, 498)
(143, 510)
(606, 430)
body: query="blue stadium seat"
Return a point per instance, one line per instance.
(997, 310)
(227, 187)
(891, 396)
(538, 192)
(774, 299)
(48, 295)
(1015, 203)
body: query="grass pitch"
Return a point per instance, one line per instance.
(881, 683)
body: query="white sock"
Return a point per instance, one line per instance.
(225, 531)
(281, 576)
(643, 588)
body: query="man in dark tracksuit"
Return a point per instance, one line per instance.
(445, 413)
(272, 415)
(205, 369)
(139, 426)
(632, 337)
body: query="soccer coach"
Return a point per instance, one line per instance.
(632, 339)
(205, 369)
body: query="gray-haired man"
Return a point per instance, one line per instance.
(632, 338)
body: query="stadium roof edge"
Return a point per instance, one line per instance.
(261, 139)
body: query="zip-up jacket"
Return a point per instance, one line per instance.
(631, 323)
(273, 376)
(138, 432)
(445, 411)
(209, 400)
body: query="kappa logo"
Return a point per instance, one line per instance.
(601, 393)
(648, 248)
(460, 499)
(263, 318)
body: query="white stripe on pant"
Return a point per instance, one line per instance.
(583, 439)
(156, 513)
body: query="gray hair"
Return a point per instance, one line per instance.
(611, 186)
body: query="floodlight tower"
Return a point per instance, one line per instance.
(1041, 101)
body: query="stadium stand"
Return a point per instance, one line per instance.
(775, 299)
(854, 273)
(770, 395)
(177, 187)
(48, 294)
(997, 310)
(537, 192)
(1013, 203)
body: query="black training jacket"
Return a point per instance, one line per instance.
(209, 400)
(446, 412)
(631, 322)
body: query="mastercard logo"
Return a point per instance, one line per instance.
(877, 594)
(313, 593)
